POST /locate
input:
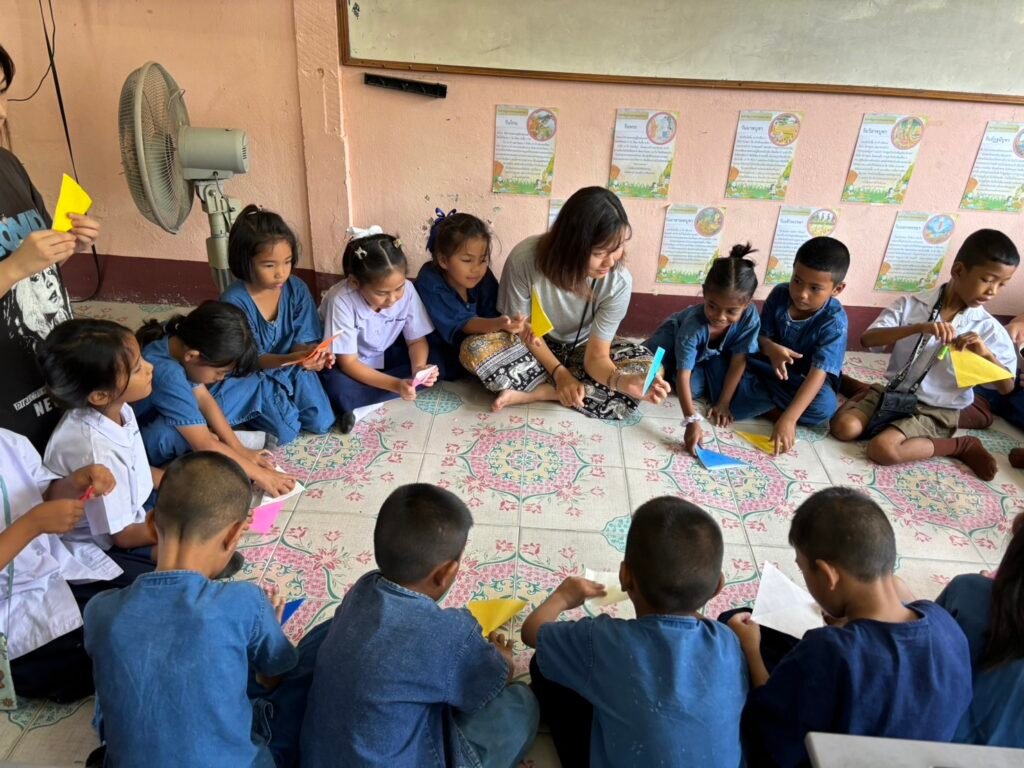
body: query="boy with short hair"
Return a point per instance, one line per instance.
(918, 327)
(400, 681)
(803, 344)
(881, 669)
(666, 688)
(172, 654)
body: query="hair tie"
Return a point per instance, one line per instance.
(440, 216)
(357, 233)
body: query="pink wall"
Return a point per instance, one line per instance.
(409, 154)
(327, 150)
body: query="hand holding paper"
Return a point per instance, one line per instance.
(73, 199)
(972, 370)
(264, 515)
(321, 348)
(613, 590)
(784, 606)
(659, 355)
(428, 374)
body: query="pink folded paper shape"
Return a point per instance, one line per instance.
(263, 517)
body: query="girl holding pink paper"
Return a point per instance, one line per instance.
(382, 352)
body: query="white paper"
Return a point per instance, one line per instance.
(422, 376)
(366, 410)
(610, 581)
(784, 606)
(299, 488)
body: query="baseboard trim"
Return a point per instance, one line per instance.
(158, 281)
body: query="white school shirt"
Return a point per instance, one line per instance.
(85, 436)
(939, 387)
(368, 333)
(41, 606)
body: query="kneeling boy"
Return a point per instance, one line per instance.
(803, 345)
(400, 682)
(918, 327)
(881, 669)
(664, 689)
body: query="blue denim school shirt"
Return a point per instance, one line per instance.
(172, 656)
(869, 678)
(666, 690)
(391, 672)
(693, 333)
(821, 338)
(447, 310)
(996, 715)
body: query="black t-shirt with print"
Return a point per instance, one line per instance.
(27, 313)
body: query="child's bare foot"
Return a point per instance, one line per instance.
(1017, 458)
(514, 397)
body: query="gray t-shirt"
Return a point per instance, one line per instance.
(565, 310)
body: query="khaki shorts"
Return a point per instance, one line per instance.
(927, 421)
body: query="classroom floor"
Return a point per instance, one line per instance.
(551, 493)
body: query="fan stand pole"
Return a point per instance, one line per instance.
(221, 211)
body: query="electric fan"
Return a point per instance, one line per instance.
(167, 161)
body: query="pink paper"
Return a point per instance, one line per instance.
(263, 517)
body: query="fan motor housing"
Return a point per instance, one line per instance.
(212, 153)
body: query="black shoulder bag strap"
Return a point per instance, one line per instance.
(900, 377)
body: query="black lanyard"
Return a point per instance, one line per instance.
(583, 319)
(900, 377)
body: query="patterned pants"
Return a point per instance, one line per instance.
(501, 361)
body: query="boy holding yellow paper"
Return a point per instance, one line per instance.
(401, 681)
(915, 416)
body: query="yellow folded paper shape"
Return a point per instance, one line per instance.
(761, 442)
(539, 320)
(73, 199)
(971, 369)
(492, 614)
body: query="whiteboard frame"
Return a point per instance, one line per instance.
(348, 60)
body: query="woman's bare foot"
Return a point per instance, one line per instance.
(513, 397)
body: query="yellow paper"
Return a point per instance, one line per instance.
(494, 613)
(73, 199)
(972, 369)
(539, 321)
(761, 442)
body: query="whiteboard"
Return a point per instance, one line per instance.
(966, 49)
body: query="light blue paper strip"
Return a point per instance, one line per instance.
(659, 355)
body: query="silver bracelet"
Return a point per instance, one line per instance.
(695, 419)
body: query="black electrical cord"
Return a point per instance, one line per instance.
(50, 51)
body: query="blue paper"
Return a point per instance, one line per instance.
(290, 608)
(659, 355)
(714, 461)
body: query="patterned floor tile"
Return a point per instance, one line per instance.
(767, 515)
(710, 490)
(14, 723)
(61, 734)
(669, 408)
(927, 578)
(592, 440)
(650, 443)
(569, 494)
(354, 474)
(488, 567)
(491, 492)
(467, 429)
(741, 579)
(465, 392)
(320, 556)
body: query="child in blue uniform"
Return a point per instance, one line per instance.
(458, 288)
(262, 251)
(666, 688)
(371, 308)
(186, 411)
(706, 345)
(803, 344)
(990, 613)
(882, 667)
(183, 663)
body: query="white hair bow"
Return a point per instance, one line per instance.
(357, 233)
